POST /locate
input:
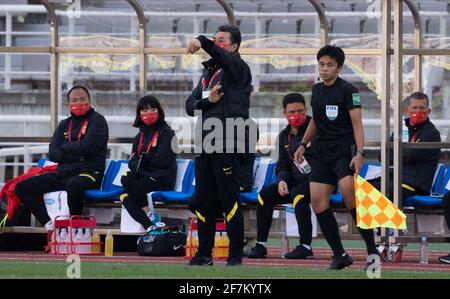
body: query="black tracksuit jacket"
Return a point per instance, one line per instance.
(419, 165)
(235, 78)
(160, 162)
(85, 151)
(285, 169)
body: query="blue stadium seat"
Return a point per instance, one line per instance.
(438, 189)
(365, 168)
(41, 162)
(336, 199)
(263, 176)
(111, 186)
(184, 185)
(446, 183)
(44, 162)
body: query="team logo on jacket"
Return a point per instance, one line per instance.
(332, 112)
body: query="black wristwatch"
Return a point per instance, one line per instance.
(361, 152)
(304, 145)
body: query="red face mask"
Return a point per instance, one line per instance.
(221, 44)
(79, 109)
(297, 120)
(149, 118)
(417, 118)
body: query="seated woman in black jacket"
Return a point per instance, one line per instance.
(79, 146)
(152, 164)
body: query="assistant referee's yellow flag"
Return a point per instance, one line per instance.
(373, 209)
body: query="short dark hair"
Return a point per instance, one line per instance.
(334, 52)
(235, 33)
(148, 101)
(293, 97)
(78, 87)
(418, 96)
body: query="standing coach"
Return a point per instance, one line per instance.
(223, 93)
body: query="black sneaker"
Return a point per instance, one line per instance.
(259, 251)
(299, 253)
(234, 261)
(445, 259)
(200, 260)
(341, 262)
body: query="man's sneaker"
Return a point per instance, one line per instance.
(300, 252)
(445, 259)
(234, 261)
(341, 262)
(200, 260)
(259, 251)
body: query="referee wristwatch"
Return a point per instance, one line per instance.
(361, 152)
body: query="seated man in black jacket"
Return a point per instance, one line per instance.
(153, 165)
(79, 146)
(419, 165)
(291, 186)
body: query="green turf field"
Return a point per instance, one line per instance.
(13, 269)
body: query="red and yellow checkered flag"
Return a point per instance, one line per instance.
(373, 209)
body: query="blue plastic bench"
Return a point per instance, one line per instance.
(263, 176)
(184, 185)
(438, 189)
(111, 187)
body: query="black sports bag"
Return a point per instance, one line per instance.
(162, 242)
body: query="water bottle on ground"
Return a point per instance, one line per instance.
(78, 239)
(96, 241)
(424, 251)
(109, 244)
(63, 241)
(284, 245)
(87, 239)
